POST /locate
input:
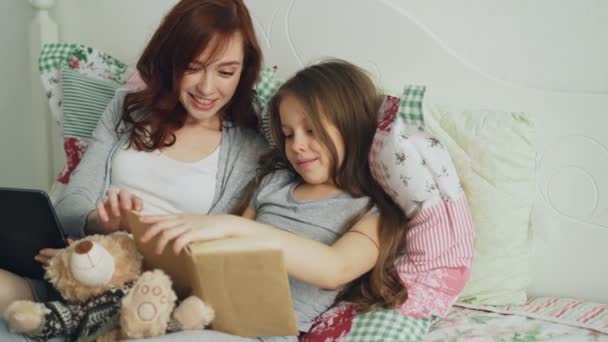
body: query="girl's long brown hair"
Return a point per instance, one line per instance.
(185, 32)
(343, 94)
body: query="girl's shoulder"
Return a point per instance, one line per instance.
(277, 183)
(276, 180)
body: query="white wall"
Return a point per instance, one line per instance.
(17, 143)
(548, 44)
(509, 40)
(97, 23)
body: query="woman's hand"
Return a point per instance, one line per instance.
(183, 229)
(110, 214)
(46, 254)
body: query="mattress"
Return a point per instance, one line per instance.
(541, 319)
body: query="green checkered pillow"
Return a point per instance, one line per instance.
(265, 88)
(89, 76)
(388, 325)
(54, 55)
(410, 105)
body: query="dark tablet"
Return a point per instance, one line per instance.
(27, 224)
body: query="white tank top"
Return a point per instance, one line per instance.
(167, 186)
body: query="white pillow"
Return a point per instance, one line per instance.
(494, 156)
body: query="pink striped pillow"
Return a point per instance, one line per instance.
(415, 169)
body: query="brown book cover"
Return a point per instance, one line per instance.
(243, 279)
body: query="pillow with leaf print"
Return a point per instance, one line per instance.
(493, 154)
(416, 170)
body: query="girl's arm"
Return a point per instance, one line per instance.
(249, 213)
(329, 267)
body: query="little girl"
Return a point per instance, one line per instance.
(316, 197)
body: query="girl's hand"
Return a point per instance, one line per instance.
(46, 254)
(183, 229)
(110, 214)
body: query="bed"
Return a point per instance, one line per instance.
(490, 61)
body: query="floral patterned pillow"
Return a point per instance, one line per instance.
(86, 72)
(416, 170)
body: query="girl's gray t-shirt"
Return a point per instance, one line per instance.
(322, 220)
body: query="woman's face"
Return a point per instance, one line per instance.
(208, 85)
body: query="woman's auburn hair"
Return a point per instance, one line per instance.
(343, 94)
(185, 32)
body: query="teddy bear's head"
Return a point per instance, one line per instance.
(94, 265)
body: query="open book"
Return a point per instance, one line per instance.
(243, 279)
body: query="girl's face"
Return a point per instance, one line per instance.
(206, 89)
(306, 155)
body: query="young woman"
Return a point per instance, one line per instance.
(316, 197)
(184, 143)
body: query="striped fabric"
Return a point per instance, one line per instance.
(439, 236)
(84, 100)
(436, 266)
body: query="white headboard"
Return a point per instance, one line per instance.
(469, 53)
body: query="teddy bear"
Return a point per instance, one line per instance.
(107, 297)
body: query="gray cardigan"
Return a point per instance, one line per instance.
(239, 152)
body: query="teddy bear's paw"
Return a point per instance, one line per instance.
(25, 316)
(146, 308)
(192, 314)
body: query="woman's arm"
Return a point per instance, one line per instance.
(78, 199)
(330, 267)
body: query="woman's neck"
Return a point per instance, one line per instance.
(194, 141)
(213, 124)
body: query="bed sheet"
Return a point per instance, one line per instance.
(464, 324)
